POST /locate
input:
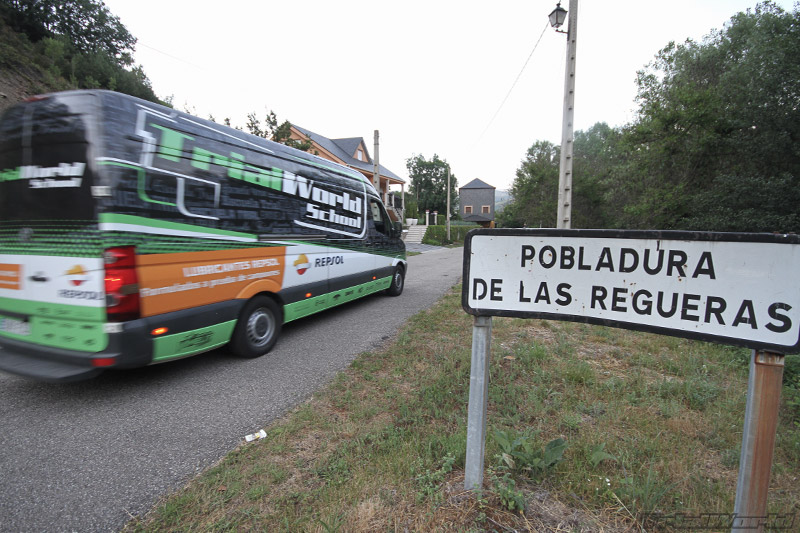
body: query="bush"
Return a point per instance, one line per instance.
(437, 235)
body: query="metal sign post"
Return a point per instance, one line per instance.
(478, 399)
(758, 440)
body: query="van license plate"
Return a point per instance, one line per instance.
(17, 327)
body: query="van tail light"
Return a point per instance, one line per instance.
(122, 284)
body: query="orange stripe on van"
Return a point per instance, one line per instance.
(171, 282)
(10, 276)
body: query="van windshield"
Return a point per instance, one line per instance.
(45, 170)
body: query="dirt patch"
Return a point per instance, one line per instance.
(15, 87)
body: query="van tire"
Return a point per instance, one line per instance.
(398, 282)
(257, 329)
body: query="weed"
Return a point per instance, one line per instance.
(578, 372)
(428, 481)
(530, 355)
(336, 470)
(564, 347)
(335, 524)
(570, 421)
(598, 454)
(505, 488)
(642, 495)
(520, 454)
(257, 493)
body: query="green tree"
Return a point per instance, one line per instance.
(535, 190)
(412, 211)
(272, 131)
(74, 44)
(597, 163)
(715, 146)
(88, 25)
(429, 183)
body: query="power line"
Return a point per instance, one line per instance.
(513, 84)
(171, 56)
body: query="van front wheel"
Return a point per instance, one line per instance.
(398, 282)
(257, 329)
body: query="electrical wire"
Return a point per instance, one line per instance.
(140, 43)
(512, 85)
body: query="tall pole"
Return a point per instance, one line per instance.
(564, 216)
(376, 174)
(448, 203)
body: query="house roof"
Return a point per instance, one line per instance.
(477, 184)
(344, 150)
(477, 218)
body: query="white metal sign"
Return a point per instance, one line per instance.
(732, 288)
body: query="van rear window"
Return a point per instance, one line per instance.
(44, 169)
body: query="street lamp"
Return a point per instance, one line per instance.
(557, 18)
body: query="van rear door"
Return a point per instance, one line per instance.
(51, 263)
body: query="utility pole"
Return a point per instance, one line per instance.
(564, 216)
(448, 203)
(376, 174)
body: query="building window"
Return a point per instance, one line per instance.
(485, 209)
(360, 155)
(467, 209)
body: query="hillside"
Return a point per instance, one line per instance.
(501, 199)
(21, 73)
(48, 61)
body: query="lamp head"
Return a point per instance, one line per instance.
(558, 16)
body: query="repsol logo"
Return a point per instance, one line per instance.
(80, 295)
(330, 260)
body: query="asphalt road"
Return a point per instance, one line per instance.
(87, 456)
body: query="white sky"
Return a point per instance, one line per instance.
(429, 75)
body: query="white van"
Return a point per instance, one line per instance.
(132, 234)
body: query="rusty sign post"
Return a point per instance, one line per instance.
(731, 288)
(758, 440)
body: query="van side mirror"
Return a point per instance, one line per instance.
(397, 229)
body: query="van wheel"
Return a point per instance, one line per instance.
(257, 329)
(398, 282)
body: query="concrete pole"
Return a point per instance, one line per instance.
(564, 216)
(758, 440)
(403, 201)
(376, 173)
(448, 204)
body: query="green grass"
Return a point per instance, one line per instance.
(650, 423)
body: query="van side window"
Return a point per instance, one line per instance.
(379, 216)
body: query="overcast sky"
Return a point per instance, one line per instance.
(430, 75)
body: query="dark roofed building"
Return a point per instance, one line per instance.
(352, 152)
(477, 203)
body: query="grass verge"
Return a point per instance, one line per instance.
(589, 429)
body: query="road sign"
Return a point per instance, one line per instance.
(731, 288)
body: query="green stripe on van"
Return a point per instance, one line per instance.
(48, 309)
(191, 342)
(144, 222)
(315, 304)
(71, 327)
